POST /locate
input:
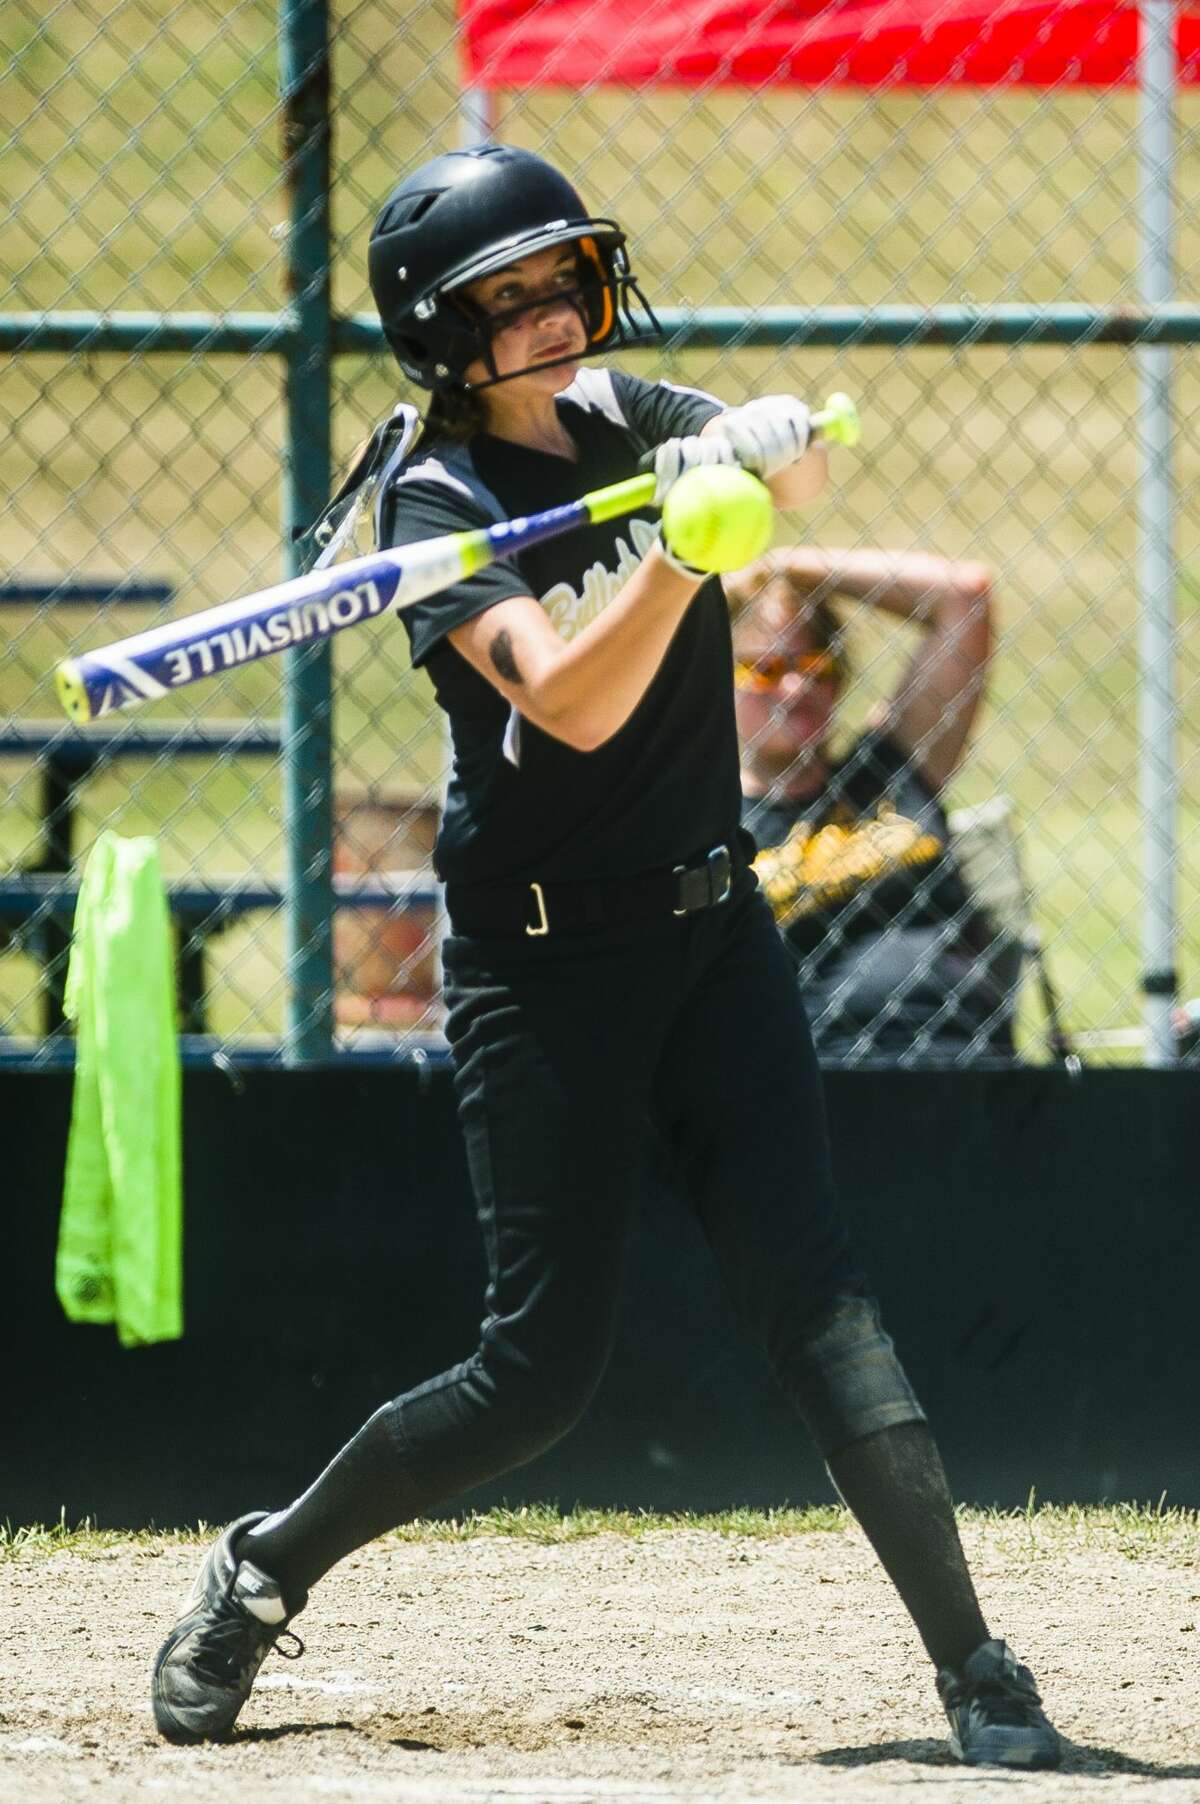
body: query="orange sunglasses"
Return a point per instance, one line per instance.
(765, 672)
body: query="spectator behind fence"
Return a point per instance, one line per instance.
(896, 960)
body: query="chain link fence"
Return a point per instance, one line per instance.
(142, 173)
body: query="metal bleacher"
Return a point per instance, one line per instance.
(37, 901)
(32, 904)
(35, 911)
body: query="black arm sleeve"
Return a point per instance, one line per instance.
(418, 510)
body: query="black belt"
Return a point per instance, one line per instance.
(537, 909)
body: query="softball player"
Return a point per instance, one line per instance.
(591, 849)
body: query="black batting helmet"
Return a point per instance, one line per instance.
(466, 214)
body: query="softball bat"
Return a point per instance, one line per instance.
(146, 666)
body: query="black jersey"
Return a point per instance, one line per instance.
(521, 804)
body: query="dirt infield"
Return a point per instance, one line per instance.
(681, 1664)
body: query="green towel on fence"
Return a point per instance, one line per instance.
(120, 1240)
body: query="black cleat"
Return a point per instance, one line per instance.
(994, 1711)
(205, 1668)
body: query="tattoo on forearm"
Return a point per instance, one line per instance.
(504, 658)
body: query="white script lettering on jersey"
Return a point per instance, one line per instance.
(570, 610)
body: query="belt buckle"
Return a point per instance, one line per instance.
(720, 875)
(704, 885)
(542, 924)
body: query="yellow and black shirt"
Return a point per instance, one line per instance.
(895, 958)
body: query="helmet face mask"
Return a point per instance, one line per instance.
(468, 214)
(590, 297)
(490, 324)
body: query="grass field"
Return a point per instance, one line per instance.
(537, 1658)
(144, 173)
(1038, 1531)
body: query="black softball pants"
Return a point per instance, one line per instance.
(569, 1052)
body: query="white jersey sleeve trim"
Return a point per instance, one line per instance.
(434, 470)
(512, 738)
(428, 469)
(593, 390)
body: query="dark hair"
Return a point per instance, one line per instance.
(825, 625)
(827, 629)
(454, 413)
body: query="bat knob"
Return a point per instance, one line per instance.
(72, 692)
(838, 420)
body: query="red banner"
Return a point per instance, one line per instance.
(846, 43)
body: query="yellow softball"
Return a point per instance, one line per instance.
(718, 517)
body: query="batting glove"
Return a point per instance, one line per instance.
(768, 434)
(676, 455)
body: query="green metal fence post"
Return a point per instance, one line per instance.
(304, 73)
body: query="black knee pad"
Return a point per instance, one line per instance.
(849, 1381)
